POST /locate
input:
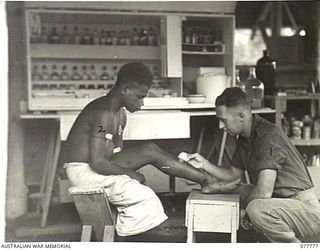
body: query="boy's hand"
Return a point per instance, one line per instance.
(139, 177)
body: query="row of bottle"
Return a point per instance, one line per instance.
(312, 160)
(201, 35)
(136, 36)
(307, 128)
(86, 73)
(77, 74)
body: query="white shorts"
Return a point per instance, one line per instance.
(139, 208)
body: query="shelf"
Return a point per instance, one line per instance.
(71, 51)
(86, 82)
(201, 53)
(303, 142)
(202, 44)
(300, 97)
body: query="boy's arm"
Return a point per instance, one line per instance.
(102, 146)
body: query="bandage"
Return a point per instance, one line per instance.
(108, 136)
(184, 156)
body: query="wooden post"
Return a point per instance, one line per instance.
(276, 29)
(318, 43)
(16, 192)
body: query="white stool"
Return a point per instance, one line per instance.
(212, 213)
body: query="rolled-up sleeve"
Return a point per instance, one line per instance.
(269, 153)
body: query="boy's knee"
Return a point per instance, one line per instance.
(152, 148)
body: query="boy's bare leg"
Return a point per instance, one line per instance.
(149, 153)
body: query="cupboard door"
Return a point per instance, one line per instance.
(171, 49)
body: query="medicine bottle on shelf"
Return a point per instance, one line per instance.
(65, 36)
(54, 36)
(255, 89)
(75, 74)
(44, 35)
(85, 74)
(103, 38)
(64, 74)
(86, 38)
(266, 72)
(239, 83)
(36, 76)
(54, 73)
(76, 38)
(93, 75)
(104, 75)
(44, 73)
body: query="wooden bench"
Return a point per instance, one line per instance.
(95, 213)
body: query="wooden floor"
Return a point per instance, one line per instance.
(64, 226)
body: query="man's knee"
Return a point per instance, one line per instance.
(256, 209)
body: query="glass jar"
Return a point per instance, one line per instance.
(266, 72)
(255, 89)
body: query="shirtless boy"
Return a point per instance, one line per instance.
(95, 155)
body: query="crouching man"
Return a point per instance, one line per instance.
(281, 203)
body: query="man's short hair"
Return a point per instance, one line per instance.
(135, 72)
(233, 97)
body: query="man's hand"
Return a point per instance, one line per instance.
(139, 177)
(196, 160)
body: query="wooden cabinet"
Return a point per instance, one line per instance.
(61, 43)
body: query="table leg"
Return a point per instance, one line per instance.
(234, 224)
(50, 181)
(191, 235)
(47, 166)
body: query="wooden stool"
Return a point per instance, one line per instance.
(95, 213)
(212, 213)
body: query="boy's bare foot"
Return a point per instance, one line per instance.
(214, 185)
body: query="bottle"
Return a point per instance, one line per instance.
(44, 35)
(85, 74)
(64, 74)
(76, 38)
(114, 37)
(36, 76)
(151, 37)
(93, 75)
(143, 37)
(86, 38)
(128, 38)
(114, 72)
(135, 37)
(54, 36)
(122, 38)
(75, 74)
(239, 83)
(54, 74)
(44, 73)
(103, 38)
(109, 39)
(96, 37)
(65, 36)
(255, 89)
(104, 75)
(266, 72)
